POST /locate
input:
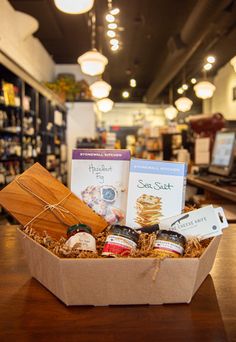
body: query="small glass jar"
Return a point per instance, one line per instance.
(121, 240)
(170, 243)
(80, 236)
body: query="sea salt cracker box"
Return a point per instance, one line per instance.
(100, 178)
(156, 190)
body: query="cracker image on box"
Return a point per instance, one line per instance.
(100, 179)
(156, 190)
(148, 209)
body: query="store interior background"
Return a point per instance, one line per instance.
(150, 36)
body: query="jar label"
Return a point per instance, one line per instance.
(118, 245)
(169, 246)
(82, 241)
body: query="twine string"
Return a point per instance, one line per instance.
(47, 206)
(156, 269)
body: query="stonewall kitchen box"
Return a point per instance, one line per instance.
(100, 178)
(156, 190)
(116, 281)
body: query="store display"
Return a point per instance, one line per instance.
(25, 118)
(10, 148)
(8, 93)
(100, 179)
(37, 199)
(8, 171)
(156, 190)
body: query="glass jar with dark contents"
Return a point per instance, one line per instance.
(121, 240)
(80, 236)
(170, 243)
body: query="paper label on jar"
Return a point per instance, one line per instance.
(82, 241)
(118, 245)
(168, 246)
(203, 223)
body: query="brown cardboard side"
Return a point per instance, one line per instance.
(108, 281)
(175, 280)
(37, 195)
(128, 281)
(44, 265)
(206, 262)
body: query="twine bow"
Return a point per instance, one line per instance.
(48, 206)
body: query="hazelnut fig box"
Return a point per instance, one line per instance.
(100, 178)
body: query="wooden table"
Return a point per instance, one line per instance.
(29, 312)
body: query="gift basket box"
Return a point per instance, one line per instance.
(41, 203)
(118, 281)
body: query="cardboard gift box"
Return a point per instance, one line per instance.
(116, 281)
(38, 199)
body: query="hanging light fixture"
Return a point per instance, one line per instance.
(204, 89)
(92, 62)
(105, 105)
(132, 82)
(100, 89)
(170, 112)
(183, 104)
(233, 63)
(74, 6)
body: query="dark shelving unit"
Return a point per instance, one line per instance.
(34, 129)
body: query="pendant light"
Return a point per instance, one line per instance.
(105, 105)
(170, 111)
(100, 89)
(204, 89)
(74, 6)
(183, 104)
(92, 62)
(233, 63)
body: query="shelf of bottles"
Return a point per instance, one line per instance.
(32, 129)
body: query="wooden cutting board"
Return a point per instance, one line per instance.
(37, 197)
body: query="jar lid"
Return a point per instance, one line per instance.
(126, 232)
(79, 227)
(172, 234)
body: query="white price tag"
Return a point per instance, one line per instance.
(202, 223)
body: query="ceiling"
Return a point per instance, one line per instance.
(161, 40)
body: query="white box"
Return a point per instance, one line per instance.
(100, 178)
(156, 190)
